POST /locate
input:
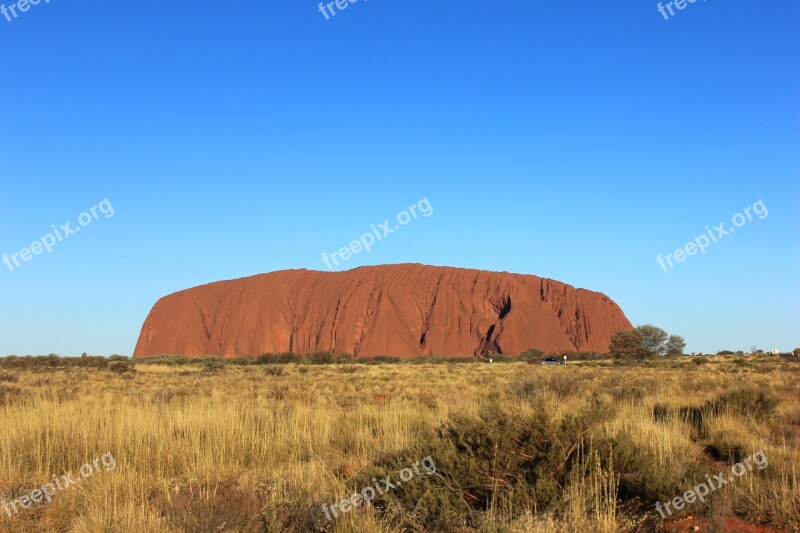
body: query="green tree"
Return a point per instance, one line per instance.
(627, 343)
(533, 355)
(675, 345)
(654, 339)
(796, 352)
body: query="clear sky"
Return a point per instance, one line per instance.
(571, 140)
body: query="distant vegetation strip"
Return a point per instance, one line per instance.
(533, 356)
(319, 358)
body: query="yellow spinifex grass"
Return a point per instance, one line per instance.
(196, 451)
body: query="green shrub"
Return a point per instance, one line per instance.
(382, 359)
(345, 358)
(265, 359)
(742, 402)
(289, 357)
(532, 356)
(321, 358)
(628, 344)
(119, 367)
(213, 364)
(583, 356)
(494, 460)
(746, 402)
(640, 477)
(439, 360)
(496, 358)
(278, 358)
(52, 361)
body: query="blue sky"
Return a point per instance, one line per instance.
(571, 140)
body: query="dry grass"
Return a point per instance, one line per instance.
(258, 449)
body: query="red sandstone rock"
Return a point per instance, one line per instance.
(407, 310)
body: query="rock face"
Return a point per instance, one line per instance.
(404, 310)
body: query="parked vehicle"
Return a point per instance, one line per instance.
(552, 361)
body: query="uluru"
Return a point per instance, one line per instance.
(406, 310)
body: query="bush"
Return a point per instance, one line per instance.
(9, 377)
(382, 359)
(584, 356)
(288, 357)
(278, 358)
(743, 402)
(627, 344)
(265, 359)
(11, 394)
(532, 356)
(661, 412)
(746, 402)
(723, 448)
(563, 385)
(696, 418)
(528, 389)
(628, 393)
(213, 364)
(639, 477)
(53, 360)
(275, 370)
(493, 460)
(321, 358)
(345, 358)
(119, 367)
(495, 357)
